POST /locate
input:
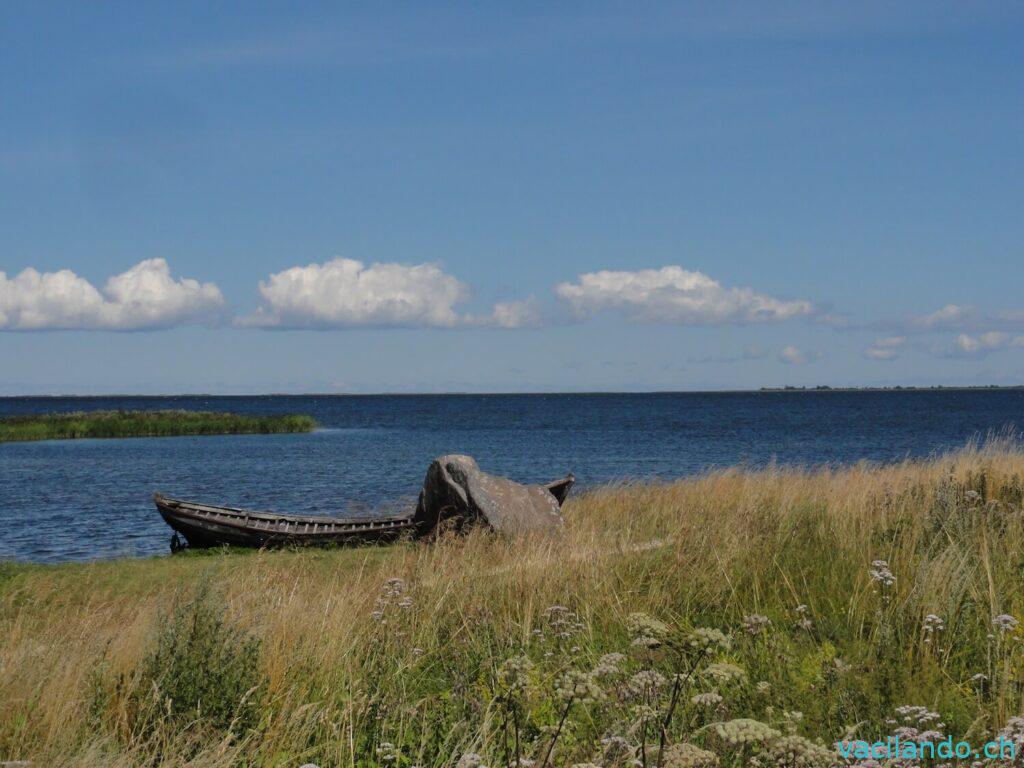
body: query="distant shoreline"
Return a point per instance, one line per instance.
(782, 389)
(939, 388)
(164, 423)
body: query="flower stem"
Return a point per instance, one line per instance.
(673, 701)
(558, 732)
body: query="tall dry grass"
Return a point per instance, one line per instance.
(351, 671)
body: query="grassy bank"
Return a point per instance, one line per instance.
(99, 424)
(745, 614)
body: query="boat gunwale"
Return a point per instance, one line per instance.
(194, 509)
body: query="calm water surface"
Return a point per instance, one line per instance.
(73, 500)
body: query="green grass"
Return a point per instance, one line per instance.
(107, 424)
(760, 590)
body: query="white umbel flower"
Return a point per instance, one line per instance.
(744, 730)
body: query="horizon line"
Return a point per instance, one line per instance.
(500, 393)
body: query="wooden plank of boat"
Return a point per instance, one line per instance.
(207, 525)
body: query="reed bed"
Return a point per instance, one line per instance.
(738, 618)
(164, 423)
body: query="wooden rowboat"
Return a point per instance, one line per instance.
(206, 525)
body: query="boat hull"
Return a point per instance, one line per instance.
(204, 526)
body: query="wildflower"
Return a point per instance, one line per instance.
(755, 624)
(979, 679)
(803, 621)
(972, 495)
(471, 760)
(417, 651)
(792, 720)
(615, 750)
(646, 681)
(1013, 731)
(915, 723)
(917, 715)
(377, 615)
(563, 622)
(405, 602)
(744, 731)
(386, 752)
(709, 699)
(393, 587)
(880, 573)
(931, 625)
(579, 686)
(514, 674)
(724, 673)
(609, 664)
(798, 752)
(1005, 623)
(647, 632)
(523, 762)
(708, 640)
(688, 756)
(763, 686)
(585, 765)
(644, 714)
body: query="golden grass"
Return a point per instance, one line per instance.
(698, 552)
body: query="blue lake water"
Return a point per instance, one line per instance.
(73, 500)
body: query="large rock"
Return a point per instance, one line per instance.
(457, 494)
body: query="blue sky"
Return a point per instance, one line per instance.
(509, 197)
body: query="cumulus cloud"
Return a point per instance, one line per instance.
(345, 293)
(791, 355)
(675, 295)
(145, 297)
(886, 349)
(966, 345)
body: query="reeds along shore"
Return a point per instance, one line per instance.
(740, 618)
(166, 423)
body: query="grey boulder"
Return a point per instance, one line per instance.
(457, 494)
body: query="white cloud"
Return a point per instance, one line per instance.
(675, 295)
(964, 317)
(345, 293)
(145, 297)
(793, 356)
(950, 317)
(975, 346)
(512, 314)
(886, 349)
